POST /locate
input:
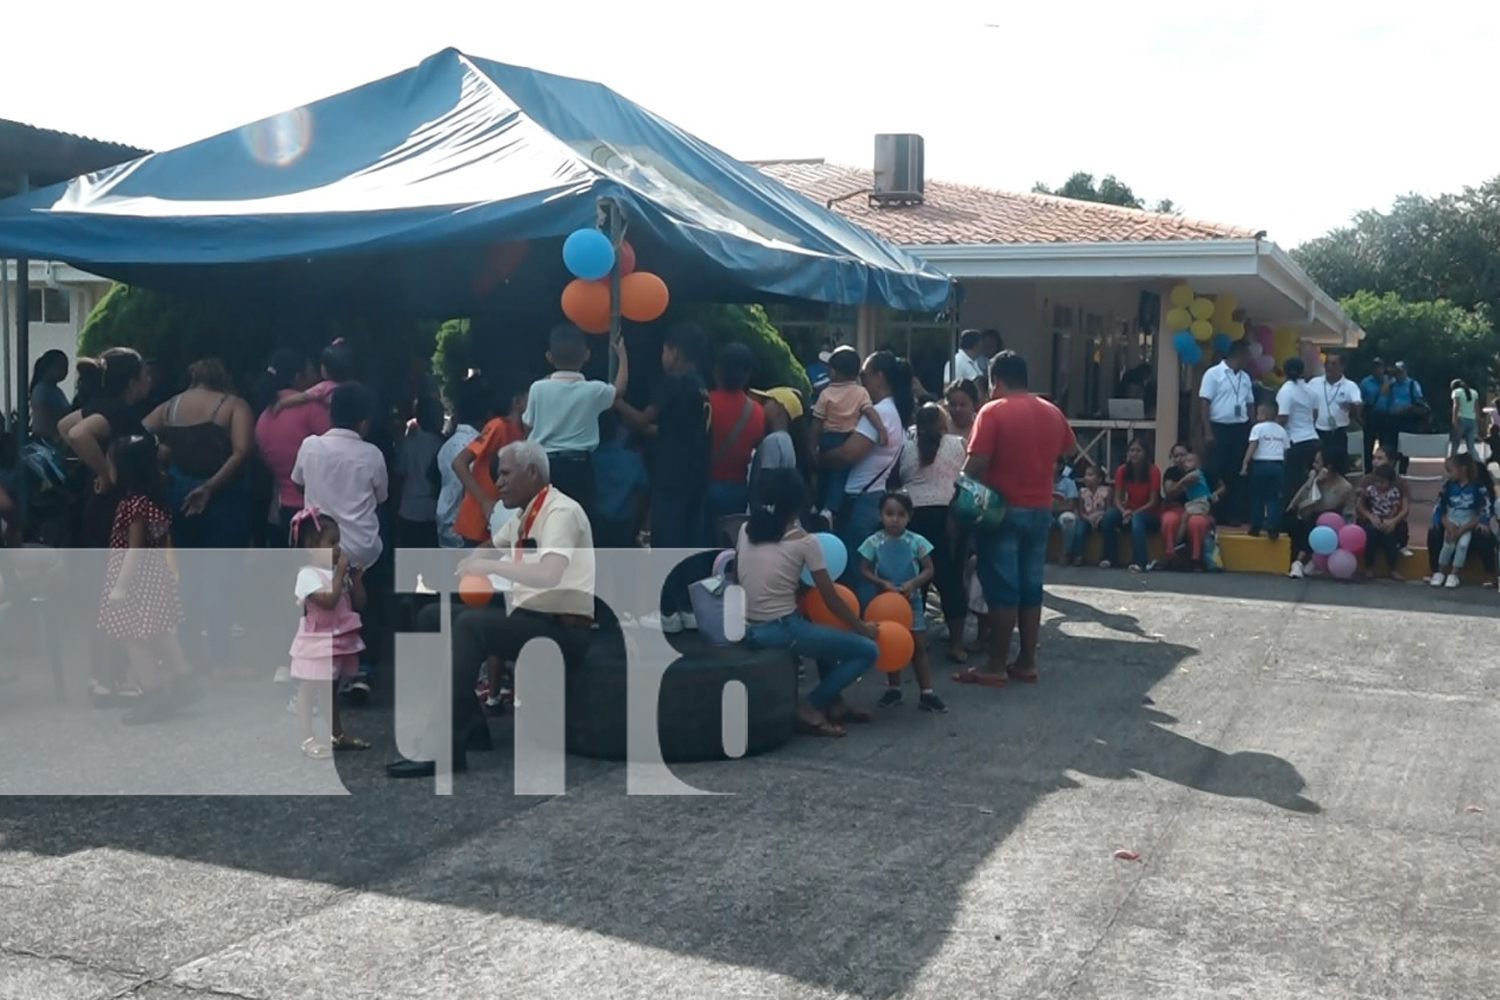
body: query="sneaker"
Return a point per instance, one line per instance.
(1452, 581)
(1437, 579)
(482, 686)
(1104, 564)
(359, 687)
(689, 621)
(930, 702)
(1297, 572)
(890, 699)
(671, 624)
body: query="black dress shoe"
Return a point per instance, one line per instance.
(479, 738)
(424, 768)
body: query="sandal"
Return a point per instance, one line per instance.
(824, 729)
(343, 741)
(976, 676)
(317, 751)
(840, 713)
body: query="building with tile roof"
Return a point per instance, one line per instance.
(1079, 287)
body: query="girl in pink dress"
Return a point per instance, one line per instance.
(141, 606)
(327, 645)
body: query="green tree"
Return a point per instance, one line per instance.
(1440, 341)
(1109, 191)
(178, 330)
(460, 347)
(1423, 249)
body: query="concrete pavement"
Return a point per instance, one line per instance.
(1306, 769)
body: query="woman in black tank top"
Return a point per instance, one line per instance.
(208, 432)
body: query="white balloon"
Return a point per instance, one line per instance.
(1255, 349)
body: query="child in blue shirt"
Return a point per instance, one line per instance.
(1463, 504)
(894, 560)
(621, 486)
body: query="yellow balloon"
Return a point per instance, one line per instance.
(1181, 296)
(1228, 303)
(1235, 329)
(1178, 319)
(1201, 329)
(1202, 308)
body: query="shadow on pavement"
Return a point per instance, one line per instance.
(838, 863)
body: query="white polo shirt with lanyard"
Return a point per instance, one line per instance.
(1229, 394)
(556, 523)
(1329, 398)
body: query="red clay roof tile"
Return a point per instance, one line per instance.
(965, 214)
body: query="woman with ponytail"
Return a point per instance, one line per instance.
(929, 474)
(888, 380)
(770, 555)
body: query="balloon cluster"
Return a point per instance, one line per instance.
(1269, 350)
(1336, 546)
(591, 258)
(1198, 320)
(890, 612)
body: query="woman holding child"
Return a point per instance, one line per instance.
(1187, 506)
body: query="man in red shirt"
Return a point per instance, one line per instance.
(738, 424)
(1013, 449)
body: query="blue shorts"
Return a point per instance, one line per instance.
(1012, 557)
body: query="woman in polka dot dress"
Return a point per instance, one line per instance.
(141, 605)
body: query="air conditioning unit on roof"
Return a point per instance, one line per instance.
(899, 170)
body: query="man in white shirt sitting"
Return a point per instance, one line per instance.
(1335, 399)
(968, 364)
(547, 553)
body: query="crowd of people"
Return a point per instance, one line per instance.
(315, 461)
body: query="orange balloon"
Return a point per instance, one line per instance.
(643, 296)
(586, 304)
(889, 607)
(819, 613)
(896, 646)
(475, 591)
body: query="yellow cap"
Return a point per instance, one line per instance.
(789, 398)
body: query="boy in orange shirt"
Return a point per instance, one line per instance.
(474, 467)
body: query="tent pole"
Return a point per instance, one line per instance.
(953, 324)
(609, 219)
(22, 366)
(5, 318)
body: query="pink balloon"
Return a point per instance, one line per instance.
(1342, 564)
(1263, 365)
(1352, 538)
(1320, 562)
(1331, 520)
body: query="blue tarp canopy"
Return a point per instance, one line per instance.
(445, 189)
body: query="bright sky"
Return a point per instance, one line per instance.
(1286, 116)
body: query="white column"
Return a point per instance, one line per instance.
(1168, 386)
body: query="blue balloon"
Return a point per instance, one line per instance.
(1183, 341)
(588, 254)
(1190, 355)
(1222, 343)
(835, 556)
(1323, 540)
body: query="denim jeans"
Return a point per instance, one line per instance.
(1141, 526)
(861, 519)
(831, 480)
(1266, 479)
(1013, 557)
(677, 523)
(1466, 432)
(842, 656)
(723, 499)
(1075, 538)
